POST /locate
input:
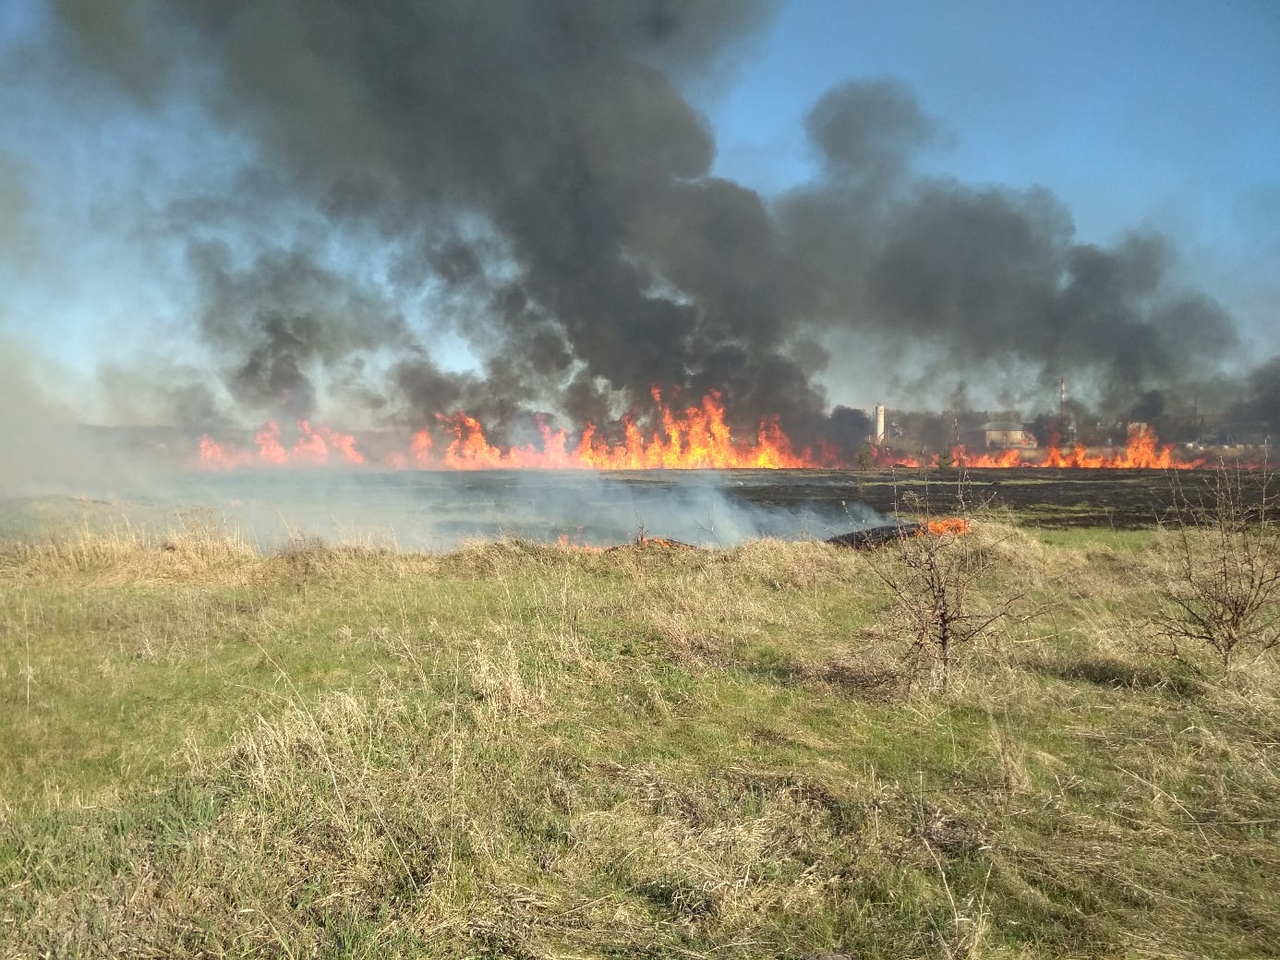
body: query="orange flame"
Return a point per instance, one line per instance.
(947, 525)
(220, 455)
(314, 446)
(697, 437)
(1142, 451)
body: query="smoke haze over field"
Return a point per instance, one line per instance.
(368, 192)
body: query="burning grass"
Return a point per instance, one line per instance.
(530, 750)
(696, 437)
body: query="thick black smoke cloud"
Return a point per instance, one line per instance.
(539, 174)
(987, 274)
(1263, 401)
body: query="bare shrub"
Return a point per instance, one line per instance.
(1222, 569)
(933, 577)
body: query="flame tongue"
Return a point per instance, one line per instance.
(314, 446)
(697, 437)
(1143, 451)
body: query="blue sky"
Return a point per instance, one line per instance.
(1135, 114)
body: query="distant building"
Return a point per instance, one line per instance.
(1004, 436)
(1242, 433)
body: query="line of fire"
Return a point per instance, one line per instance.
(699, 437)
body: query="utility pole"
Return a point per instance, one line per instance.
(1063, 429)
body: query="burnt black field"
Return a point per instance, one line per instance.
(439, 510)
(1121, 499)
(104, 474)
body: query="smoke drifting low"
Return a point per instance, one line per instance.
(536, 187)
(442, 510)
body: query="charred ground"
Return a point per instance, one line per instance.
(437, 510)
(1054, 498)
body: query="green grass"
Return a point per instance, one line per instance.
(526, 751)
(1090, 537)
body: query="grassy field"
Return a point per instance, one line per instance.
(529, 751)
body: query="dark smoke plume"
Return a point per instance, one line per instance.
(546, 192)
(1263, 400)
(987, 274)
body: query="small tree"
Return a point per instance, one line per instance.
(931, 575)
(1222, 589)
(866, 457)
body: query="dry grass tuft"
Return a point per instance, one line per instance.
(1013, 554)
(805, 565)
(520, 750)
(129, 556)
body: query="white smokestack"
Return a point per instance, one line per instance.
(879, 423)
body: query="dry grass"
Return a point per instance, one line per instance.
(126, 556)
(518, 750)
